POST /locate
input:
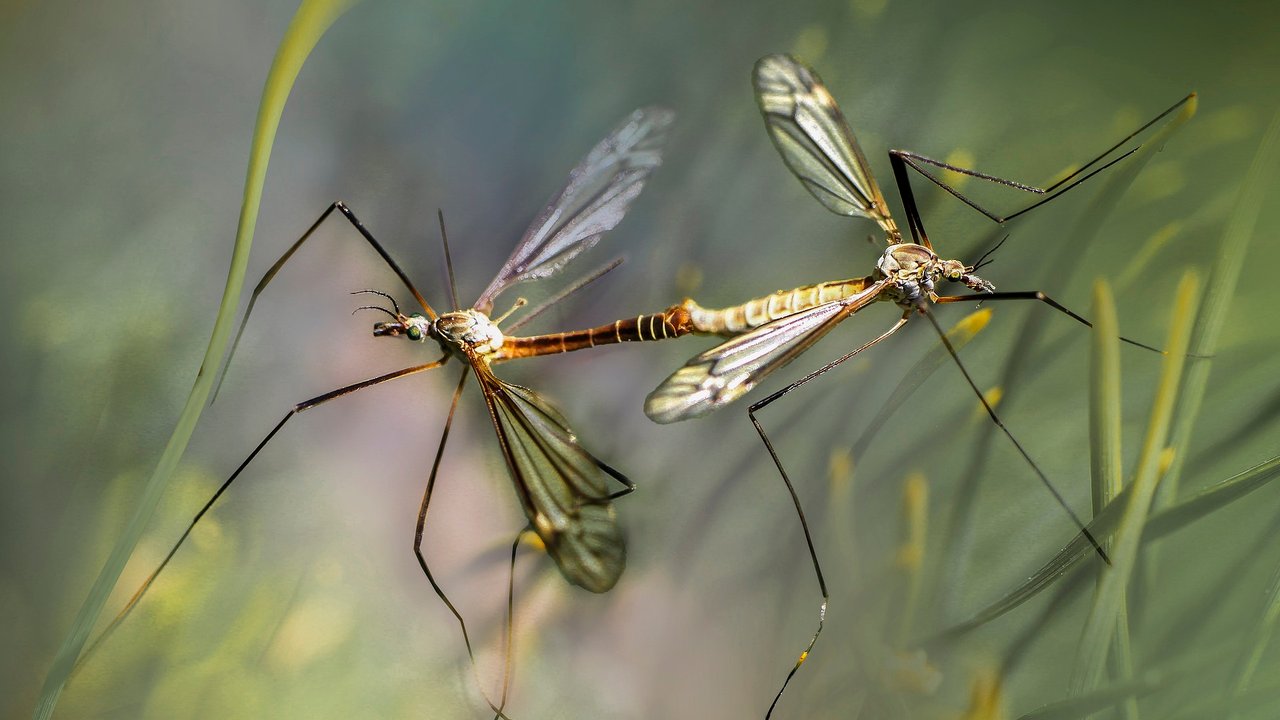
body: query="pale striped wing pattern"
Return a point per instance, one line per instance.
(814, 140)
(724, 373)
(562, 488)
(600, 190)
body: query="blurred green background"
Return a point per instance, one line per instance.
(125, 134)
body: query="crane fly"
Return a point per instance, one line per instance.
(810, 132)
(563, 489)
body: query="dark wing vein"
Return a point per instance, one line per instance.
(815, 142)
(562, 488)
(600, 190)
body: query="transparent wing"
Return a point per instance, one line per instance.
(810, 132)
(599, 191)
(561, 486)
(724, 373)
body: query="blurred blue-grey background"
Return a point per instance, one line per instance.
(125, 131)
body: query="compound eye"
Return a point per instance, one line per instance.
(414, 332)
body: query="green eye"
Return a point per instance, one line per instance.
(414, 333)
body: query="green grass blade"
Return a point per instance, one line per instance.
(958, 527)
(1027, 637)
(1104, 399)
(1169, 673)
(1096, 701)
(1097, 636)
(1140, 263)
(1247, 666)
(1256, 697)
(308, 25)
(1211, 498)
(1105, 455)
(1203, 504)
(1258, 185)
(1223, 278)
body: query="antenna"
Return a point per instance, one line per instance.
(448, 261)
(986, 258)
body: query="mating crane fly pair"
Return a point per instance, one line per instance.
(562, 488)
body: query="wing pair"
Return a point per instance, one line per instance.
(563, 488)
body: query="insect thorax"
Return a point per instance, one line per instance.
(470, 328)
(911, 268)
(914, 269)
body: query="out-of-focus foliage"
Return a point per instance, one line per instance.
(306, 28)
(126, 133)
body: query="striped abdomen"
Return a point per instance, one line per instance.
(754, 313)
(671, 323)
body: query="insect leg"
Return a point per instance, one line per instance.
(421, 527)
(1036, 295)
(300, 407)
(508, 668)
(1044, 479)
(795, 498)
(275, 268)
(508, 665)
(900, 159)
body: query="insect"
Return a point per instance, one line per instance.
(810, 132)
(562, 488)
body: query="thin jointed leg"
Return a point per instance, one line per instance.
(991, 412)
(901, 159)
(795, 498)
(275, 268)
(421, 528)
(300, 407)
(1036, 295)
(508, 668)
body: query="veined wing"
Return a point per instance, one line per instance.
(561, 486)
(810, 132)
(724, 373)
(599, 191)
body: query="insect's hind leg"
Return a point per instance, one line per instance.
(795, 497)
(508, 665)
(300, 407)
(420, 529)
(901, 159)
(267, 277)
(808, 539)
(991, 412)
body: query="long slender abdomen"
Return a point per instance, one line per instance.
(670, 323)
(752, 314)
